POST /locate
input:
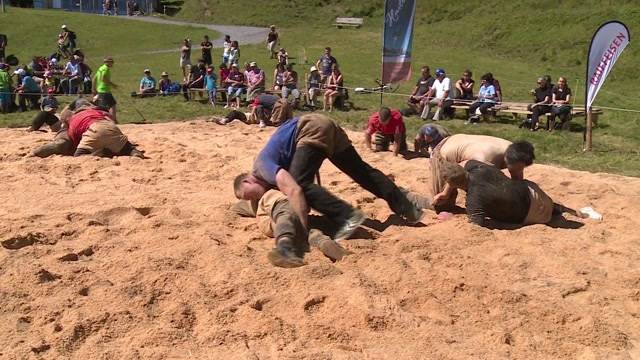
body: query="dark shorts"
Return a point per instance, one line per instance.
(383, 141)
(106, 100)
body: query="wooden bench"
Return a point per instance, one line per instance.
(193, 91)
(348, 22)
(517, 108)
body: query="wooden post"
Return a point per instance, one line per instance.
(588, 141)
(3, 9)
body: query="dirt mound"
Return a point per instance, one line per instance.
(127, 258)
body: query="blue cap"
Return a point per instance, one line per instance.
(440, 71)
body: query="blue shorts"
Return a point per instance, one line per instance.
(212, 95)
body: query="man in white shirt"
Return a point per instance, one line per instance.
(72, 75)
(440, 95)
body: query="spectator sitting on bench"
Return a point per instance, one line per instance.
(560, 100)
(333, 88)
(235, 86)
(255, 81)
(147, 84)
(314, 84)
(164, 85)
(496, 85)
(72, 77)
(195, 80)
(464, 86)
(421, 92)
(48, 83)
(210, 84)
(386, 127)
(440, 95)
(542, 101)
(291, 85)
(486, 99)
(278, 77)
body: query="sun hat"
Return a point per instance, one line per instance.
(147, 71)
(313, 68)
(164, 73)
(253, 63)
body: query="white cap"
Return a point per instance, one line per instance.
(63, 27)
(313, 68)
(19, 72)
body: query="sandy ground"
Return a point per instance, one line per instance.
(141, 259)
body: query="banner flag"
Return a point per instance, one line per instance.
(607, 44)
(397, 40)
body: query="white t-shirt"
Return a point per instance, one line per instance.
(226, 46)
(442, 86)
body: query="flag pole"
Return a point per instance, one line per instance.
(589, 138)
(384, 20)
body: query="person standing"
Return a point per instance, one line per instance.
(210, 80)
(272, 41)
(102, 85)
(226, 45)
(5, 88)
(234, 53)
(185, 58)
(325, 64)
(206, 47)
(69, 38)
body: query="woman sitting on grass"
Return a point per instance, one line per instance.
(334, 88)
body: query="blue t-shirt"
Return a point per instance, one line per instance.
(487, 91)
(210, 82)
(30, 85)
(148, 82)
(278, 153)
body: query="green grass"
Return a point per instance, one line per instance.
(517, 41)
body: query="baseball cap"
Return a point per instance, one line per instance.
(253, 63)
(63, 26)
(19, 72)
(147, 71)
(108, 59)
(440, 71)
(313, 68)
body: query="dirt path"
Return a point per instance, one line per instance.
(243, 34)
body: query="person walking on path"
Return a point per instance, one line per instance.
(272, 41)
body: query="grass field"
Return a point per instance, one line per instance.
(517, 41)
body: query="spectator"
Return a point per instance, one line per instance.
(486, 99)
(333, 88)
(5, 88)
(326, 63)
(195, 79)
(272, 41)
(496, 85)
(69, 38)
(47, 114)
(28, 90)
(185, 58)
(314, 83)
(278, 77)
(106, 7)
(560, 100)
(210, 84)
(102, 85)
(86, 72)
(283, 57)
(542, 101)
(206, 46)
(130, 6)
(440, 95)
(3, 47)
(62, 48)
(235, 86)
(420, 94)
(72, 77)
(386, 127)
(223, 75)
(164, 84)
(226, 46)
(49, 83)
(255, 81)
(234, 53)
(291, 85)
(464, 86)
(147, 84)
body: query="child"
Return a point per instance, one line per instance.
(283, 57)
(210, 84)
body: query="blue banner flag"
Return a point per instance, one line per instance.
(397, 40)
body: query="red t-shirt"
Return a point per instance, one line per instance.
(81, 121)
(394, 126)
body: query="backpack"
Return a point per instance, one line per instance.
(174, 88)
(72, 35)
